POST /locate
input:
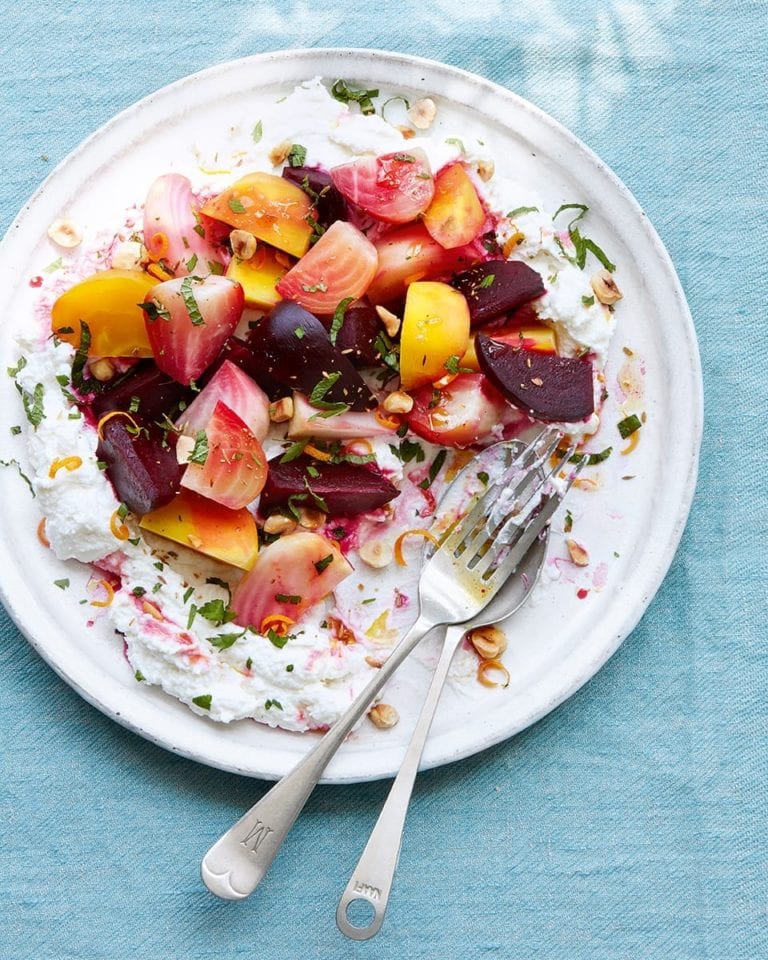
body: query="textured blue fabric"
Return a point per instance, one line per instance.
(630, 823)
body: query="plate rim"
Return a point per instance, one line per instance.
(653, 579)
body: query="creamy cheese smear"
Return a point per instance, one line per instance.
(161, 588)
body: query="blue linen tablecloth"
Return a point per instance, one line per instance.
(631, 822)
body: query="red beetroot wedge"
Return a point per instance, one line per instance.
(188, 319)
(329, 204)
(144, 390)
(142, 468)
(357, 336)
(345, 489)
(297, 352)
(545, 386)
(497, 287)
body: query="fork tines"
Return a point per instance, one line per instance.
(515, 508)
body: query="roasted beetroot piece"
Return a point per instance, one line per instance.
(144, 390)
(356, 338)
(297, 352)
(142, 468)
(248, 355)
(330, 206)
(497, 287)
(545, 386)
(345, 489)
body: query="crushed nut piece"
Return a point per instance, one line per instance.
(184, 447)
(194, 542)
(407, 132)
(485, 169)
(281, 410)
(423, 113)
(374, 662)
(279, 154)
(489, 642)
(384, 716)
(376, 553)
(243, 244)
(537, 381)
(311, 519)
(65, 234)
(277, 523)
(578, 554)
(390, 320)
(492, 666)
(398, 402)
(605, 287)
(102, 369)
(128, 255)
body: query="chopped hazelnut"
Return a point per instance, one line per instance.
(374, 662)
(390, 320)
(423, 113)
(65, 234)
(577, 553)
(606, 290)
(243, 244)
(376, 553)
(281, 410)
(489, 642)
(485, 169)
(279, 153)
(398, 402)
(278, 524)
(184, 447)
(102, 369)
(311, 519)
(128, 255)
(384, 716)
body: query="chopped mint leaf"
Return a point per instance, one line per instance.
(297, 155)
(138, 591)
(483, 477)
(294, 451)
(153, 310)
(33, 405)
(588, 301)
(57, 264)
(139, 676)
(519, 211)
(487, 281)
(134, 404)
(273, 703)
(235, 205)
(342, 92)
(191, 263)
(204, 701)
(276, 639)
(568, 523)
(190, 303)
(322, 387)
(217, 612)
(299, 333)
(122, 512)
(320, 565)
(257, 132)
(629, 425)
(289, 668)
(62, 584)
(225, 640)
(200, 450)
(16, 431)
(13, 371)
(435, 468)
(338, 318)
(293, 598)
(457, 143)
(187, 594)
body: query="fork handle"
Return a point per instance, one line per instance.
(372, 878)
(237, 862)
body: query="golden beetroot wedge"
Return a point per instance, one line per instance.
(455, 216)
(271, 208)
(259, 276)
(227, 463)
(341, 264)
(290, 576)
(109, 303)
(207, 527)
(435, 329)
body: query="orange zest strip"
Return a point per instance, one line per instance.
(514, 241)
(118, 528)
(114, 413)
(66, 463)
(416, 532)
(41, 534)
(388, 420)
(155, 270)
(318, 454)
(486, 666)
(276, 622)
(152, 610)
(157, 246)
(109, 590)
(633, 442)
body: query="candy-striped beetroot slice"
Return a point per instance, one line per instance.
(393, 188)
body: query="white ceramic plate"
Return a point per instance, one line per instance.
(630, 526)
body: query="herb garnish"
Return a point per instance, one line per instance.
(277, 639)
(225, 640)
(457, 143)
(62, 584)
(297, 155)
(273, 703)
(293, 598)
(294, 451)
(435, 468)
(452, 365)
(257, 132)
(342, 92)
(519, 211)
(568, 523)
(217, 612)
(204, 701)
(629, 425)
(582, 245)
(338, 318)
(33, 405)
(483, 477)
(153, 310)
(200, 450)
(235, 205)
(320, 565)
(190, 303)
(408, 450)
(591, 458)
(404, 157)
(487, 281)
